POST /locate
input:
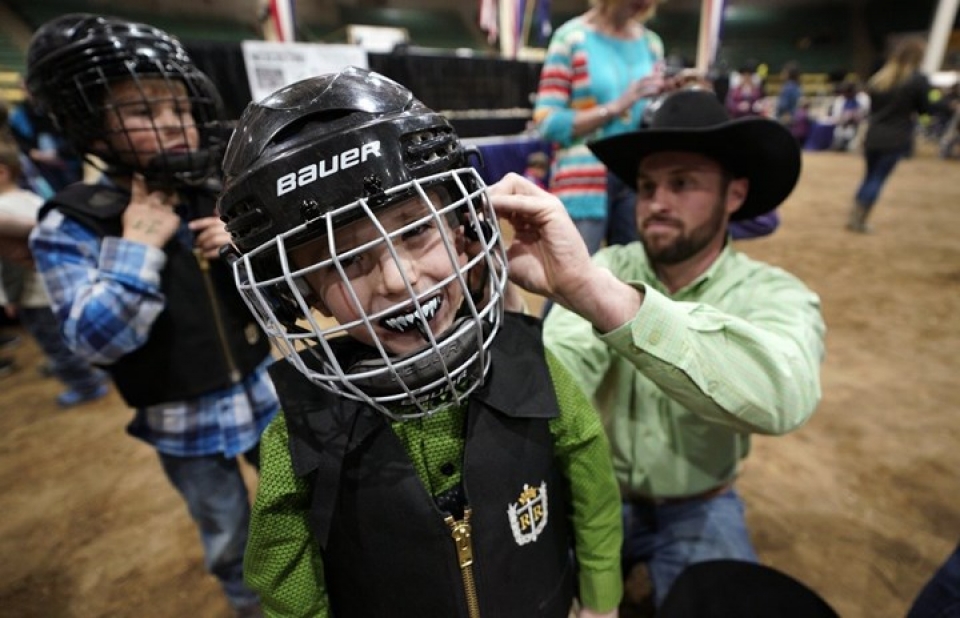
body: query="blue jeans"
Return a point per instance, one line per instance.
(592, 231)
(216, 497)
(879, 167)
(75, 372)
(621, 212)
(671, 536)
(940, 597)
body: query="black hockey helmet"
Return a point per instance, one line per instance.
(338, 149)
(75, 60)
(324, 142)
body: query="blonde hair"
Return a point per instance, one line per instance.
(903, 62)
(606, 5)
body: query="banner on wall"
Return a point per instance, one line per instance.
(377, 39)
(273, 65)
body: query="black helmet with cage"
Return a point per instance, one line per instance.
(340, 150)
(76, 61)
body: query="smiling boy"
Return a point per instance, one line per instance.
(431, 459)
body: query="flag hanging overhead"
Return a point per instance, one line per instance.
(489, 19)
(711, 21)
(278, 19)
(542, 26)
(515, 23)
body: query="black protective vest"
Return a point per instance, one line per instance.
(205, 338)
(386, 548)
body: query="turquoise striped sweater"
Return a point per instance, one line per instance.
(584, 68)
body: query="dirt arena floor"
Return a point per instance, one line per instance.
(857, 503)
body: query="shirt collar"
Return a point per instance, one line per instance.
(717, 268)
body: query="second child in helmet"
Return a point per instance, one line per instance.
(132, 265)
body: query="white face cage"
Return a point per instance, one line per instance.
(451, 364)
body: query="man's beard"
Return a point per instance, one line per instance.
(688, 243)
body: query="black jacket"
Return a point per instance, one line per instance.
(205, 338)
(386, 548)
(893, 115)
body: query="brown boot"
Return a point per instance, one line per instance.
(857, 221)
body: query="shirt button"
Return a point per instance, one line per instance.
(655, 337)
(448, 469)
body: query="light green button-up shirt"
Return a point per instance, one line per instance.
(683, 384)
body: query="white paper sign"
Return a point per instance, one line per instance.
(272, 65)
(377, 39)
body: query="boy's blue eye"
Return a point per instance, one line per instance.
(350, 260)
(416, 231)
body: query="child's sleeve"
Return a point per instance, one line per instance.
(584, 454)
(553, 112)
(282, 561)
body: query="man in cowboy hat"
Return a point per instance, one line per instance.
(686, 345)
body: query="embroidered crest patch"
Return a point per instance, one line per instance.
(528, 515)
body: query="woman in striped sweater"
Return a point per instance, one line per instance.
(601, 70)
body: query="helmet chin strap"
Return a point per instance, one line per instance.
(166, 169)
(418, 369)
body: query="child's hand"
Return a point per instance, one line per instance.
(211, 234)
(150, 217)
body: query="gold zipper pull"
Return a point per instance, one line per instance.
(201, 258)
(460, 531)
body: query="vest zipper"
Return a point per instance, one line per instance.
(204, 264)
(460, 530)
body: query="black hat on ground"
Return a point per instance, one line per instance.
(737, 589)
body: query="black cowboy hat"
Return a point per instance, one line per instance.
(754, 147)
(737, 589)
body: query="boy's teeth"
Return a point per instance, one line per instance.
(403, 322)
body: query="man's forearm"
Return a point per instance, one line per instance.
(604, 300)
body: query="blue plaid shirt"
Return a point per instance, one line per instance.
(106, 294)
